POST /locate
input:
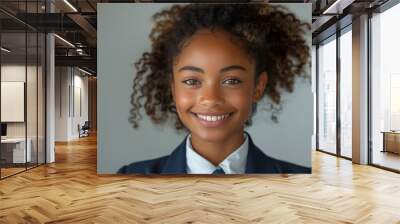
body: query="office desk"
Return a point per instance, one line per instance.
(391, 141)
(13, 150)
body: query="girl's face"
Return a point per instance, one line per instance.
(213, 86)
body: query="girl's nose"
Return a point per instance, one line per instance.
(211, 96)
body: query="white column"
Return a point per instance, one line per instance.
(50, 92)
(360, 90)
(50, 110)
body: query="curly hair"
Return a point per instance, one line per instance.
(269, 34)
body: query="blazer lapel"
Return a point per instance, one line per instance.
(176, 162)
(257, 161)
(251, 155)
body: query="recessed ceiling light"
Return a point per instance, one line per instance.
(64, 40)
(5, 49)
(84, 71)
(328, 10)
(70, 5)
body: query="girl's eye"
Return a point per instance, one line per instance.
(232, 81)
(191, 82)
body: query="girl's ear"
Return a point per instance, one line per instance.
(261, 83)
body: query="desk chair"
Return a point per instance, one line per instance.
(84, 130)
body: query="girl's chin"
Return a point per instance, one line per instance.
(215, 136)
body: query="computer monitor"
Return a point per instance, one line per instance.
(3, 129)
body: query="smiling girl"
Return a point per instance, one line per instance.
(209, 66)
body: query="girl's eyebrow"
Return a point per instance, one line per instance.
(191, 68)
(226, 69)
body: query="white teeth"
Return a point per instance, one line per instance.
(212, 118)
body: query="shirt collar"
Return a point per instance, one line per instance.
(235, 163)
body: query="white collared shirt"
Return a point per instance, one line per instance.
(235, 163)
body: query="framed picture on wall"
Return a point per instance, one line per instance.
(12, 101)
(204, 88)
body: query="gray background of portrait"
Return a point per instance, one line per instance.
(122, 37)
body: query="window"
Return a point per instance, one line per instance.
(346, 92)
(385, 89)
(327, 95)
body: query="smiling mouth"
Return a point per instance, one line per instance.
(213, 118)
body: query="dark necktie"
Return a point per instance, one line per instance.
(219, 170)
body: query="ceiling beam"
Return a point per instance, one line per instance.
(85, 61)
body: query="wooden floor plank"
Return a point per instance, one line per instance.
(70, 191)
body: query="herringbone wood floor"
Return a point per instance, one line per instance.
(70, 191)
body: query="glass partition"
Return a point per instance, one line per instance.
(22, 88)
(327, 95)
(14, 153)
(31, 100)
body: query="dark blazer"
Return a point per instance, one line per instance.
(175, 163)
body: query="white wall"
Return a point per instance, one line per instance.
(70, 83)
(62, 80)
(79, 117)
